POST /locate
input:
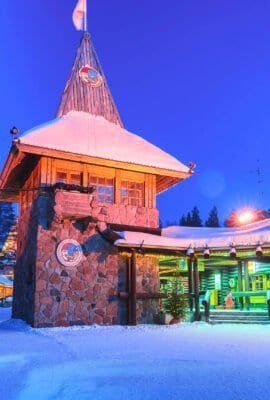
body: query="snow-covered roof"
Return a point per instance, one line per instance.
(180, 238)
(85, 134)
(5, 281)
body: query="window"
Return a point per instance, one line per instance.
(132, 193)
(104, 192)
(74, 178)
(61, 176)
(258, 282)
(71, 177)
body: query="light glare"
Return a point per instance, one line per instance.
(246, 217)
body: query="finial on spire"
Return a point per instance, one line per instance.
(85, 16)
(79, 15)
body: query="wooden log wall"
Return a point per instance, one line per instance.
(49, 167)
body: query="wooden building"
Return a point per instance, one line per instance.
(77, 179)
(211, 263)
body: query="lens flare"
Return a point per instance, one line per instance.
(246, 216)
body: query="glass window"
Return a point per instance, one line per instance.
(61, 176)
(73, 178)
(132, 193)
(104, 192)
(259, 282)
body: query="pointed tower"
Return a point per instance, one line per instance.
(77, 179)
(87, 89)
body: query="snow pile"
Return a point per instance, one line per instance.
(85, 134)
(184, 362)
(180, 238)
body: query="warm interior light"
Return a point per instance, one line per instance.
(246, 216)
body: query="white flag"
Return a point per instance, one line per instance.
(78, 15)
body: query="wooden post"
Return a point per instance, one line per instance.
(190, 283)
(268, 302)
(128, 286)
(246, 275)
(240, 284)
(133, 297)
(196, 289)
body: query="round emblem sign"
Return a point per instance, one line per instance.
(90, 76)
(69, 253)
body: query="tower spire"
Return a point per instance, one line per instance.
(87, 89)
(85, 16)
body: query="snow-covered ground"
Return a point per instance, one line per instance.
(187, 361)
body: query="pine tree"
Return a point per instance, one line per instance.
(8, 234)
(188, 219)
(195, 217)
(183, 221)
(213, 220)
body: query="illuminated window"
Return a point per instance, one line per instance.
(61, 176)
(104, 192)
(258, 282)
(71, 177)
(132, 193)
(74, 178)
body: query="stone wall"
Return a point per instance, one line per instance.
(77, 204)
(147, 282)
(24, 271)
(50, 294)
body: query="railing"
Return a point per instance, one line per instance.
(256, 293)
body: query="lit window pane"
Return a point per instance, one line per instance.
(104, 189)
(61, 177)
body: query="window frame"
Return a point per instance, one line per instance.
(98, 194)
(132, 200)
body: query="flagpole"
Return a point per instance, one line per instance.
(85, 16)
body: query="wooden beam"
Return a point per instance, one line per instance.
(132, 228)
(190, 282)
(142, 296)
(246, 281)
(100, 161)
(196, 288)
(240, 284)
(133, 296)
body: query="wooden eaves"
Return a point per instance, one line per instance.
(165, 177)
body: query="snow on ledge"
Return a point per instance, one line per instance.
(180, 238)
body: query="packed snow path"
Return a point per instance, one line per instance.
(181, 362)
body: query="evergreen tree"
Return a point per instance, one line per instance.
(230, 221)
(188, 220)
(213, 220)
(8, 234)
(183, 221)
(195, 217)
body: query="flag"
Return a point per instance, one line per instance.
(78, 15)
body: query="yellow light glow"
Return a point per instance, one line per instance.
(246, 216)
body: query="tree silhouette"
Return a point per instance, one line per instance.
(195, 217)
(183, 220)
(213, 220)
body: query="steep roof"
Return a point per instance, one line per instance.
(87, 89)
(94, 136)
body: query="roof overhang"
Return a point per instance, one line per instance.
(14, 173)
(165, 177)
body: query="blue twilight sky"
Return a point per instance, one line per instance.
(191, 76)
